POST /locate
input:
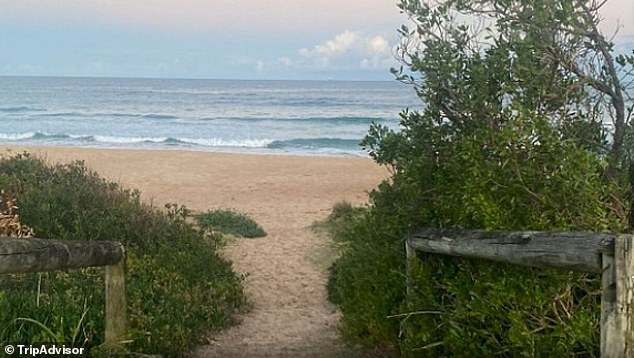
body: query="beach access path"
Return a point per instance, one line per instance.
(286, 271)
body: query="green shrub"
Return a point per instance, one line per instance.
(484, 308)
(343, 210)
(507, 138)
(339, 218)
(230, 222)
(178, 288)
(337, 226)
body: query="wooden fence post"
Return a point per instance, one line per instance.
(610, 339)
(617, 300)
(116, 324)
(609, 254)
(39, 255)
(409, 253)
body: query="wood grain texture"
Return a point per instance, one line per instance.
(610, 255)
(116, 324)
(39, 255)
(617, 300)
(576, 251)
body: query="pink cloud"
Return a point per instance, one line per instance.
(227, 15)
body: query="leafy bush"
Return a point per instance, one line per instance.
(507, 139)
(339, 218)
(343, 210)
(178, 288)
(483, 308)
(230, 222)
(337, 226)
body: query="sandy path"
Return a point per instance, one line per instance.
(290, 315)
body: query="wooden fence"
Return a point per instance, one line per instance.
(38, 255)
(608, 254)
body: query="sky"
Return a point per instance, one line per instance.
(231, 39)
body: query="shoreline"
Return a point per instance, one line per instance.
(229, 150)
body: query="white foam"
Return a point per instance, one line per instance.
(128, 140)
(217, 142)
(17, 136)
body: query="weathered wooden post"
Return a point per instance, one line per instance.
(38, 255)
(608, 254)
(617, 300)
(409, 254)
(116, 325)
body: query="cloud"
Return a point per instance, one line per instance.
(337, 46)
(285, 61)
(298, 17)
(346, 52)
(20, 69)
(349, 50)
(379, 45)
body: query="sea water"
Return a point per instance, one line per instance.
(295, 117)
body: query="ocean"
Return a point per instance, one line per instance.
(276, 117)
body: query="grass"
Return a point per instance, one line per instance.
(339, 218)
(230, 222)
(328, 229)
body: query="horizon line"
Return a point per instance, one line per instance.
(194, 78)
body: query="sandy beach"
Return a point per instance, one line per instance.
(285, 280)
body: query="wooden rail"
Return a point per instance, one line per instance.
(608, 254)
(38, 255)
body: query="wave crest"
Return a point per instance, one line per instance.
(301, 144)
